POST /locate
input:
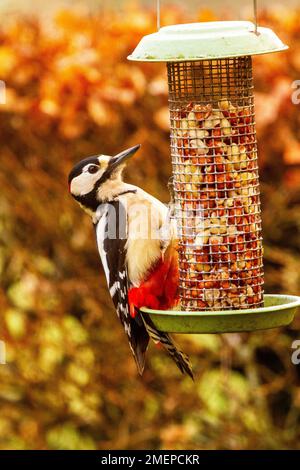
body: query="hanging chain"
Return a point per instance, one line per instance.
(254, 7)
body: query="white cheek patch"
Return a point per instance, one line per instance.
(84, 183)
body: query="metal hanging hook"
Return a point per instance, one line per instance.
(158, 14)
(254, 8)
(255, 16)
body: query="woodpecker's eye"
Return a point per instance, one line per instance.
(93, 169)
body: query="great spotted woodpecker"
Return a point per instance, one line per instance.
(137, 247)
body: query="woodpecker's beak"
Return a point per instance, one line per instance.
(121, 158)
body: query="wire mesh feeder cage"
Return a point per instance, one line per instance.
(215, 177)
(216, 187)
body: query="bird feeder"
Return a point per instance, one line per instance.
(215, 176)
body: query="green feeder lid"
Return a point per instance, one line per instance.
(279, 310)
(202, 41)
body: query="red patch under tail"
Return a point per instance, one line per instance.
(160, 290)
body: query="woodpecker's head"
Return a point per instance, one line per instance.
(95, 179)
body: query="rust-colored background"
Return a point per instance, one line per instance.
(70, 381)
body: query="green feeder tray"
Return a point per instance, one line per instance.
(279, 310)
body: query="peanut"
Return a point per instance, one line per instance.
(192, 122)
(225, 105)
(202, 111)
(226, 127)
(198, 133)
(210, 295)
(199, 146)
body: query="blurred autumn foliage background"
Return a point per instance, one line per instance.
(70, 381)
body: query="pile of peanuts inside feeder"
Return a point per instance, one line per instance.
(214, 156)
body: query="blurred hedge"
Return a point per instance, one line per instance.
(70, 381)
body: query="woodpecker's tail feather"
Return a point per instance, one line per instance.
(140, 358)
(138, 341)
(182, 360)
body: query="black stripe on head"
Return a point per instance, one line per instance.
(89, 200)
(77, 170)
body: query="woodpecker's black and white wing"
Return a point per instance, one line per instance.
(111, 234)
